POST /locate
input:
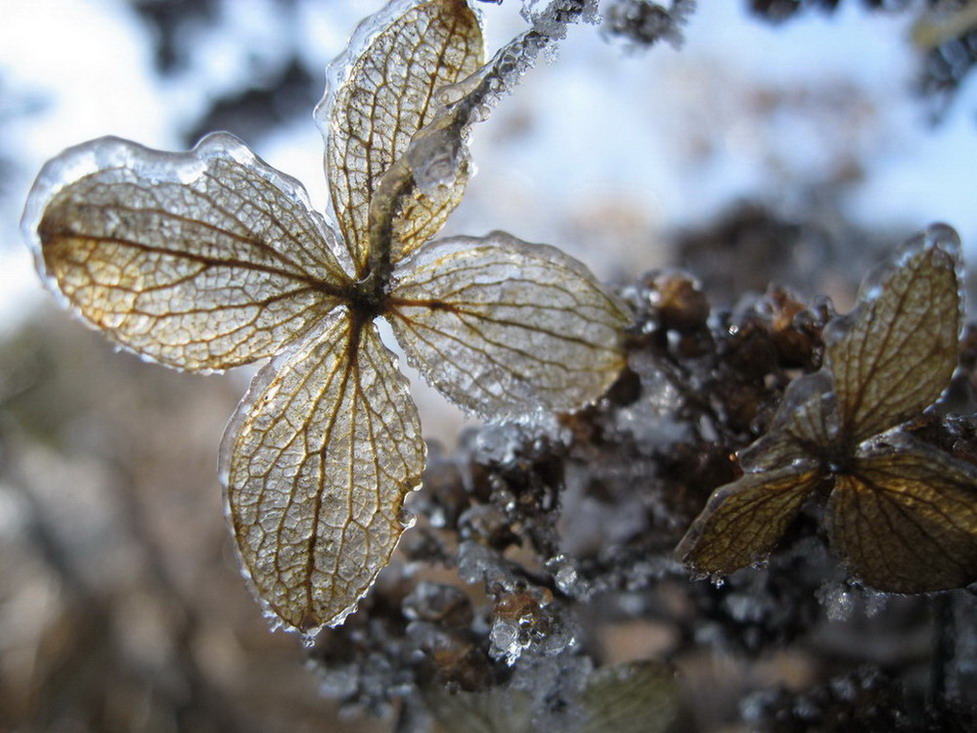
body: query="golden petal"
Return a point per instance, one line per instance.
(806, 424)
(905, 519)
(316, 463)
(744, 520)
(382, 93)
(201, 261)
(895, 353)
(503, 327)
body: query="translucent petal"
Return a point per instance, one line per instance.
(434, 171)
(201, 260)
(503, 327)
(382, 93)
(806, 424)
(894, 354)
(905, 521)
(744, 520)
(316, 463)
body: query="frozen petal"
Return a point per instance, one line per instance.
(382, 93)
(422, 189)
(201, 260)
(503, 327)
(806, 425)
(316, 464)
(744, 520)
(895, 353)
(905, 519)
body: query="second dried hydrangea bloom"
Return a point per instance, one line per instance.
(902, 514)
(211, 259)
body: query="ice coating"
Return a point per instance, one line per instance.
(209, 259)
(317, 463)
(201, 260)
(894, 354)
(381, 92)
(501, 326)
(436, 163)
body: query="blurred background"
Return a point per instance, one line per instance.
(846, 125)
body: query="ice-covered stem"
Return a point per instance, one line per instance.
(466, 103)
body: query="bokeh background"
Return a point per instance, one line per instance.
(840, 130)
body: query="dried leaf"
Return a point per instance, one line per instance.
(895, 353)
(502, 327)
(637, 697)
(316, 463)
(744, 520)
(905, 520)
(386, 93)
(495, 710)
(202, 260)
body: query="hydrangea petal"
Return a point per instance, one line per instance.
(895, 353)
(382, 93)
(743, 521)
(503, 327)
(905, 519)
(201, 260)
(806, 424)
(316, 463)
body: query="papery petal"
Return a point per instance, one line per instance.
(894, 354)
(316, 463)
(503, 327)
(743, 521)
(905, 519)
(805, 426)
(382, 92)
(201, 260)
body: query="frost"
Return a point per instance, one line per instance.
(567, 578)
(837, 601)
(499, 443)
(875, 602)
(653, 421)
(477, 563)
(554, 685)
(508, 639)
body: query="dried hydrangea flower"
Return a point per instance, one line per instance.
(902, 514)
(211, 259)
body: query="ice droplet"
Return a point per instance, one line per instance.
(435, 160)
(566, 579)
(508, 640)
